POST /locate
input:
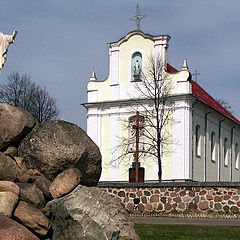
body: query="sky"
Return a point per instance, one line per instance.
(59, 42)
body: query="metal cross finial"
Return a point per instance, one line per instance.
(138, 18)
(195, 75)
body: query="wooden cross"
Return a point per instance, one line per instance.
(136, 127)
(195, 75)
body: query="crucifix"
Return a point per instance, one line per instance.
(138, 126)
(138, 18)
(195, 75)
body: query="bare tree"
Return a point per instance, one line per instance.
(225, 104)
(21, 92)
(155, 106)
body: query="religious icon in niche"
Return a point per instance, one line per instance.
(136, 66)
(132, 134)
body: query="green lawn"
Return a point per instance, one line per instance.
(187, 232)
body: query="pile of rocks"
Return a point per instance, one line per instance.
(48, 175)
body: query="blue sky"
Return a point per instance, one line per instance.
(60, 41)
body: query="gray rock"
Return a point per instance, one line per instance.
(90, 213)
(217, 206)
(55, 146)
(15, 124)
(182, 205)
(196, 199)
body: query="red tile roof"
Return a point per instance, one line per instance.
(171, 69)
(205, 98)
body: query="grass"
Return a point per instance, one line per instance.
(186, 232)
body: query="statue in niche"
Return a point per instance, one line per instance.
(5, 40)
(137, 69)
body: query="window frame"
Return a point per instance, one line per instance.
(213, 146)
(225, 152)
(198, 141)
(236, 151)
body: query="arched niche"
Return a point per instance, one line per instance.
(136, 66)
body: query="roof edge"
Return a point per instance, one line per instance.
(136, 32)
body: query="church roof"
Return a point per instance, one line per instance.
(206, 98)
(171, 69)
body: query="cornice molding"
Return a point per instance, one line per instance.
(145, 35)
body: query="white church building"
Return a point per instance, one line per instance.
(205, 137)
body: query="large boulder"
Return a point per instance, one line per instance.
(90, 213)
(11, 230)
(54, 146)
(15, 124)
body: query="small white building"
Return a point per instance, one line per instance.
(205, 137)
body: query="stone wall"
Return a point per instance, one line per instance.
(184, 198)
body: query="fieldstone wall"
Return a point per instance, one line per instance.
(182, 198)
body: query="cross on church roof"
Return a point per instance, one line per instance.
(138, 18)
(195, 75)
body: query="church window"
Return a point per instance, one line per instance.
(198, 141)
(236, 156)
(132, 134)
(213, 146)
(136, 66)
(225, 151)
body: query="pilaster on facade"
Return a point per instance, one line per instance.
(114, 52)
(115, 142)
(92, 96)
(220, 157)
(161, 46)
(114, 92)
(182, 144)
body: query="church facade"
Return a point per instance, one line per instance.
(204, 137)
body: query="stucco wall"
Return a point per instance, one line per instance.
(198, 158)
(206, 168)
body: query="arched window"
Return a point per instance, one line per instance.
(132, 134)
(236, 156)
(136, 66)
(213, 146)
(225, 151)
(198, 141)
